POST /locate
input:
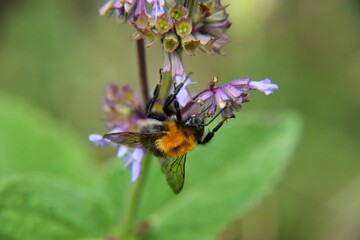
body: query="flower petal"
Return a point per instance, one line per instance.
(183, 95)
(121, 151)
(135, 171)
(137, 156)
(243, 84)
(205, 95)
(177, 67)
(99, 140)
(232, 92)
(264, 86)
(221, 96)
(157, 7)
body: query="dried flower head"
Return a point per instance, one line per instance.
(202, 25)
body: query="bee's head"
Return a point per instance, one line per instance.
(196, 123)
(193, 121)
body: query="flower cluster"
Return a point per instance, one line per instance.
(185, 26)
(181, 26)
(123, 112)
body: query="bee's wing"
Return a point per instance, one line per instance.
(174, 169)
(133, 139)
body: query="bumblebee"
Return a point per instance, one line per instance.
(168, 136)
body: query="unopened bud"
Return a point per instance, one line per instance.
(190, 44)
(170, 42)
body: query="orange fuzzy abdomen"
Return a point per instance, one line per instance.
(178, 140)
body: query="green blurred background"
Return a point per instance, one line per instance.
(58, 55)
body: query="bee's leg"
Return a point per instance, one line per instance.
(171, 98)
(150, 104)
(157, 116)
(177, 111)
(211, 134)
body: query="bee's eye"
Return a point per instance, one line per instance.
(189, 121)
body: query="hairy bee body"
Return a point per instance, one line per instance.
(169, 140)
(177, 139)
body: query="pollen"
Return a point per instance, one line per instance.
(178, 140)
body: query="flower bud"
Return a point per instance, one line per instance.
(164, 24)
(183, 27)
(189, 44)
(177, 12)
(170, 42)
(206, 42)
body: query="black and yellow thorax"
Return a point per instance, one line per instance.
(178, 140)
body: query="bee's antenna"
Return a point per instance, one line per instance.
(188, 75)
(216, 116)
(202, 111)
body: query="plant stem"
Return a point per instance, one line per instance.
(190, 5)
(166, 85)
(186, 3)
(127, 230)
(132, 206)
(140, 49)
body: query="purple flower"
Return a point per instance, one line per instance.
(123, 113)
(157, 7)
(183, 97)
(134, 158)
(100, 141)
(264, 86)
(173, 64)
(131, 158)
(230, 97)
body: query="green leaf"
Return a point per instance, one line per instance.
(116, 184)
(40, 207)
(224, 179)
(32, 142)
